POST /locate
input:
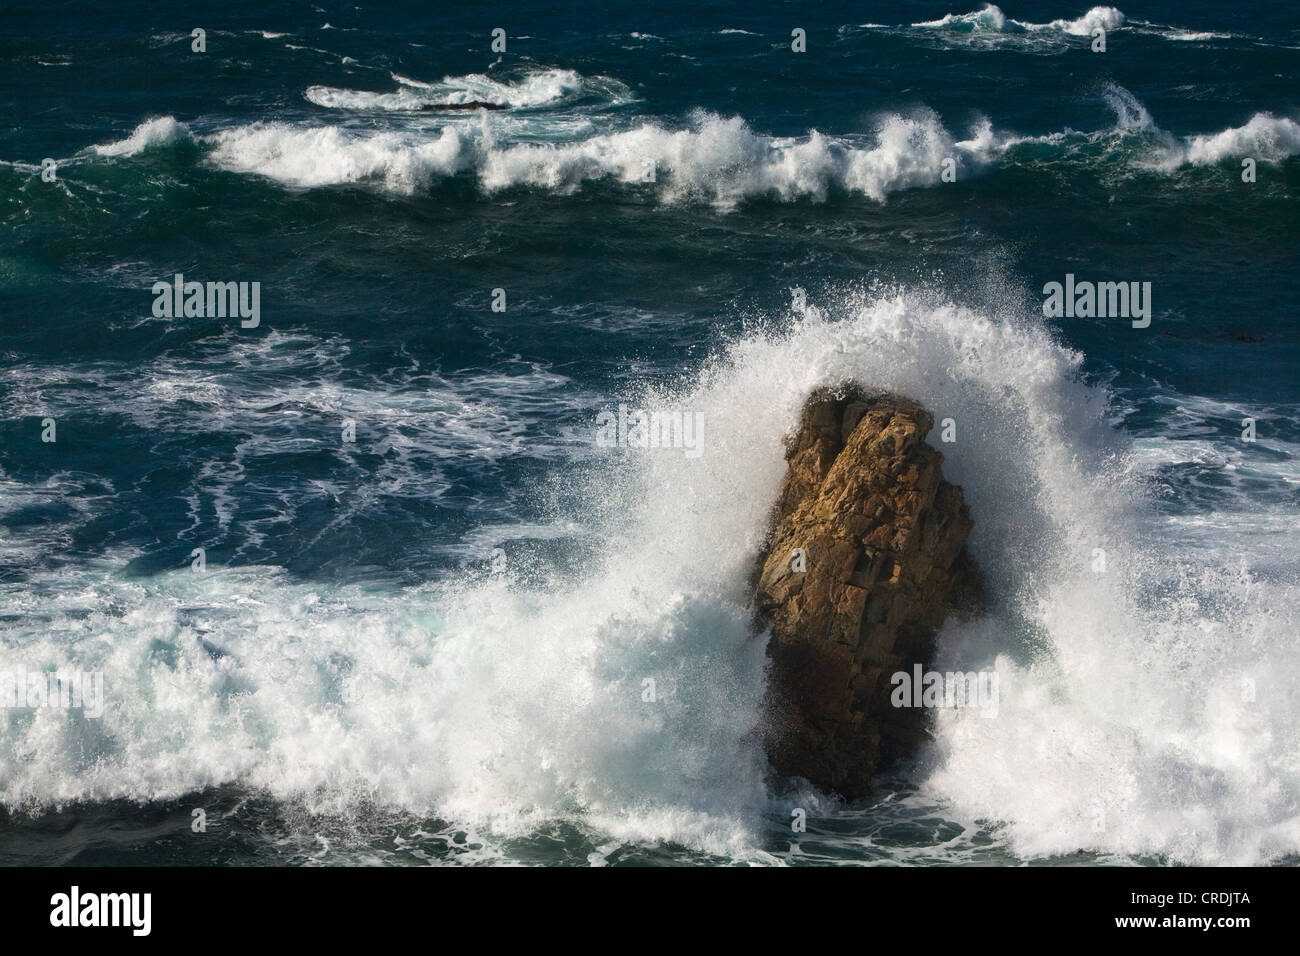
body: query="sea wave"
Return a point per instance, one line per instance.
(505, 702)
(710, 159)
(714, 159)
(990, 28)
(149, 135)
(533, 89)
(991, 19)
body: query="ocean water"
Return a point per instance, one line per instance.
(430, 644)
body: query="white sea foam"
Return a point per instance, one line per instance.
(1196, 36)
(988, 17)
(328, 155)
(504, 705)
(991, 19)
(723, 161)
(151, 134)
(1103, 18)
(1130, 114)
(1265, 137)
(538, 88)
(1139, 142)
(423, 425)
(710, 158)
(715, 159)
(989, 27)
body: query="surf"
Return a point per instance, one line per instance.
(506, 701)
(707, 159)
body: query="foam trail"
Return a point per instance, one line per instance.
(538, 88)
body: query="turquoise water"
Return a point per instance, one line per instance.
(430, 643)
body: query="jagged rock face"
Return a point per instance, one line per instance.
(882, 538)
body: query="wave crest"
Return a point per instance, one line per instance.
(152, 134)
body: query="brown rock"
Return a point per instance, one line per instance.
(882, 536)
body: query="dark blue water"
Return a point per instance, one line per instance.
(430, 642)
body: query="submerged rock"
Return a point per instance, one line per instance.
(864, 562)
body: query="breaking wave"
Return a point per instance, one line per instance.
(710, 159)
(501, 702)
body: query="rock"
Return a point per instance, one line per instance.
(882, 538)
